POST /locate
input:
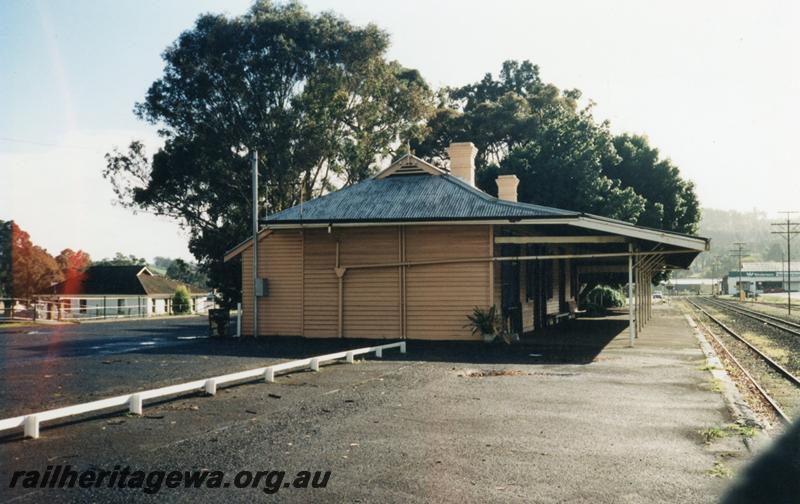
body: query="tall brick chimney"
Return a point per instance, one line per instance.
(462, 161)
(507, 187)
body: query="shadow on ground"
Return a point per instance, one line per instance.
(576, 342)
(573, 342)
(774, 476)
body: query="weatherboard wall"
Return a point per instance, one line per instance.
(440, 296)
(388, 301)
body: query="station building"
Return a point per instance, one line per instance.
(411, 251)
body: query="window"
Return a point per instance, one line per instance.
(82, 304)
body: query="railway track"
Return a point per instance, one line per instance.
(754, 351)
(781, 323)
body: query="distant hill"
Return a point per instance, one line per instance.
(726, 227)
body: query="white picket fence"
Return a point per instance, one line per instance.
(134, 402)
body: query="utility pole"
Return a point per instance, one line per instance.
(255, 244)
(788, 234)
(738, 252)
(783, 268)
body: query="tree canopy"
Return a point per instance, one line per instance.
(312, 93)
(316, 96)
(72, 262)
(121, 259)
(185, 272)
(670, 201)
(561, 154)
(33, 270)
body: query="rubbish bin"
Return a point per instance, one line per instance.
(218, 321)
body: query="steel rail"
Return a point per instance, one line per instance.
(781, 414)
(770, 320)
(775, 365)
(783, 371)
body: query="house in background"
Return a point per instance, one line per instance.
(411, 251)
(117, 291)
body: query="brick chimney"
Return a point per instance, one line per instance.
(507, 187)
(462, 161)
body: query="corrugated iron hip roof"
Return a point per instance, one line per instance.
(411, 198)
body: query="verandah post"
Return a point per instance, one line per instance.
(631, 329)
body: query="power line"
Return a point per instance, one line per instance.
(788, 234)
(46, 144)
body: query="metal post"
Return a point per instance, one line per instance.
(631, 329)
(255, 243)
(104, 307)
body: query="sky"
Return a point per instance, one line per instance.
(714, 85)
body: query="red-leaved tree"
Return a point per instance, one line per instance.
(33, 270)
(71, 262)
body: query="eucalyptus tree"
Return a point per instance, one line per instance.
(312, 93)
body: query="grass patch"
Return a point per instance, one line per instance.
(720, 470)
(715, 385)
(707, 367)
(715, 432)
(747, 431)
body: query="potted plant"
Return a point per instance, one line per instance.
(485, 322)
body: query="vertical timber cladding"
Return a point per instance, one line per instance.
(320, 300)
(280, 262)
(247, 292)
(371, 306)
(440, 296)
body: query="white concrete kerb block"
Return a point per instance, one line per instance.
(379, 353)
(350, 356)
(135, 404)
(211, 386)
(314, 365)
(31, 426)
(269, 375)
(402, 347)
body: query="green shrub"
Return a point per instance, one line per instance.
(602, 297)
(484, 323)
(181, 301)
